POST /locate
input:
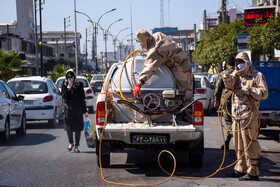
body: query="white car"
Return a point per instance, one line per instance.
(213, 78)
(97, 78)
(89, 97)
(42, 99)
(203, 89)
(12, 113)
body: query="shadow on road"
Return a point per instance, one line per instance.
(270, 134)
(139, 163)
(43, 125)
(29, 139)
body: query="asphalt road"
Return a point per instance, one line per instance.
(41, 158)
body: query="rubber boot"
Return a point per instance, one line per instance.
(227, 143)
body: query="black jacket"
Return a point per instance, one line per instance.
(76, 106)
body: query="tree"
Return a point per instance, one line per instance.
(58, 71)
(219, 43)
(265, 38)
(10, 65)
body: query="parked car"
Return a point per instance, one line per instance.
(42, 99)
(203, 89)
(97, 78)
(213, 78)
(97, 87)
(12, 113)
(87, 88)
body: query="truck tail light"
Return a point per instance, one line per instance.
(198, 113)
(92, 83)
(48, 98)
(100, 113)
(89, 91)
(201, 91)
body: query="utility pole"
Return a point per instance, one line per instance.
(204, 21)
(169, 13)
(105, 38)
(95, 46)
(277, 7)
(36, 37)
(76, 43)
(41, 43)
(86, 54)
(224, 11)
(195, 37)
(131, 28)
(8, 38)
(120, 51)
(66, 21)
(161, 14)
(93, 50)
(115, 53)
(56, 47)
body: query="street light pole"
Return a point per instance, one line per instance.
(41, 43)
(76, 43)
(66, 20)
(124, 45)
(114, 43)
(105, 37)
(96, 32)
(93, 39)
(36, 38)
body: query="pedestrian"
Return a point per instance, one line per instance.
(162, 50)
(249, 88)
(220, 91)
(74, 96)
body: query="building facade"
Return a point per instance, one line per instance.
(63, 43)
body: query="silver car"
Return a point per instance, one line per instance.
(203, 89)
(12, 112)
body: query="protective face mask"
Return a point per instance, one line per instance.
(241, 66)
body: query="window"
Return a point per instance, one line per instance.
(29, 87)
(208, 85)
(4, 92)
(11, 92)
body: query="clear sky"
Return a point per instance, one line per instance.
(145, 14)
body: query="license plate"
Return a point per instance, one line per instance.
(155, 139)
(28, 102)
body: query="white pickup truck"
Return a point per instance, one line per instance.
(148, 125)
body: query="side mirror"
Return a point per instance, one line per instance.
(20, 98)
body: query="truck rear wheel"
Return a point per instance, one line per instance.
(105, 155)
(105, 161)
(195, 160)
(196, 152)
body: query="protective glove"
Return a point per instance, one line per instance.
(136, 91)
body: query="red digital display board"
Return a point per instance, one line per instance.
(251, 15)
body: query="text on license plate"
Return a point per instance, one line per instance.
(158, 139)
(28, 102)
